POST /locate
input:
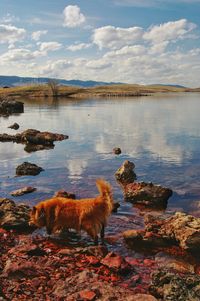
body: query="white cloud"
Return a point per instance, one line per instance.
(50, 46)
(116, 37)
(11, 34)
(15, 55)
(55, 68)
(77, 47)
(37, 34)
(8, 18)
(169, 31)
(73, 16)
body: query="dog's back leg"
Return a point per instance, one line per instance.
(102, 234)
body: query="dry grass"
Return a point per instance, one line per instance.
(36, 90)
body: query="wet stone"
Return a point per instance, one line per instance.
(27, 168)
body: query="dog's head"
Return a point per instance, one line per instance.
(37, 217)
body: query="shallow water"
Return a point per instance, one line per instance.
(160, 134)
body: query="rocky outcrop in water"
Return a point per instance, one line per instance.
(29, 169)
(8, 107)
(147, 194)
(117, 150)
(179, 229)
(14, 126)
(125, 174)
(22, 191)
(34, 139)
(14, 216)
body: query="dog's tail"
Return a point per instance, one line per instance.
(105, 191)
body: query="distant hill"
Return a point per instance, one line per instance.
(13, 81)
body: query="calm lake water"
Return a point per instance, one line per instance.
(160, 134)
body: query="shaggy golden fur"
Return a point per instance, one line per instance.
(90, 215)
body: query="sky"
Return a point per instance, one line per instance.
(130, 41)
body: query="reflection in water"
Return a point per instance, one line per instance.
(159, 134)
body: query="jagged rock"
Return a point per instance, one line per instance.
(8, 107)
(174, 287)
(27, 168)
(33, 139)
(117, 151)
(147, 194)
(117, 263)
(184, 228)
(14, 216)
(125, 174)
(23, 191)
(14, 126)
(65, 194)
(179, 229)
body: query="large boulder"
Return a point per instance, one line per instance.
(14, 216)
(27, 168)
(125, 174)
(147, 194)
(179, 229)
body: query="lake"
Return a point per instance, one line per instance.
(160, 134)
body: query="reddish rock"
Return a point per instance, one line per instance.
(87, 295)
(23, 191)
(117, 263)
(125, 174)
(147, 194)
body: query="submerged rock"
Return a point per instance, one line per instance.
(125, 174)
(8, 107)
(14, 126)
(174, 287)
(27, 168)
(147, 194)
(14, 216)
(23, 191)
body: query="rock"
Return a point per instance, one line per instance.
(65, 194)
(23, 191)
(125, 174)
(17, 270)
(87, 295)
(8, 107)
(14, 126)
(174, 287)
(33, 139)
(14, 216)
(116, 205)
(117, 151)
(147, 194)
(116, 263)
(143, 297)
(164, 260)
(161, 231)
(184, 228)
(27, 168)
(86, 280)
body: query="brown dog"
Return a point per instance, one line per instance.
(90, 215)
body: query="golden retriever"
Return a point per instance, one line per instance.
(90, 214)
